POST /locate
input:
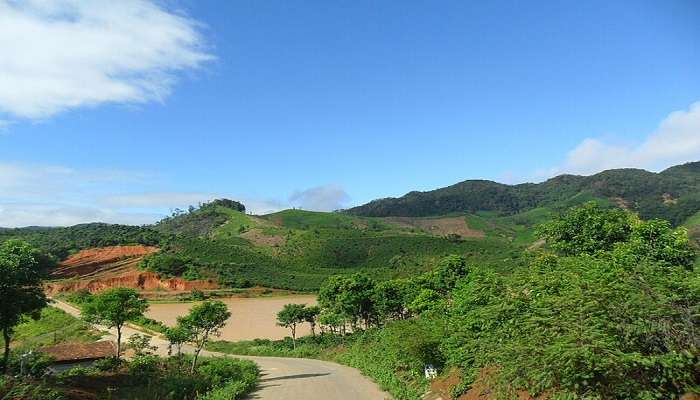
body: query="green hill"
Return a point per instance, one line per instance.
(298, 249)
(673, 194)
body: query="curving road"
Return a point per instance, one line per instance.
(282, 378)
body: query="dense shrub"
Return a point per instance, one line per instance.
(586, 326)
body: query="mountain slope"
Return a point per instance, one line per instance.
(673, 194)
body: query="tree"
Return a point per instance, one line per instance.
(391, 297)
(587, 229)
(449, 271)
(114, 308)
(290, 316)
(177, 336)
(333, 321)
(350, 296)
(427, 300)
(656, 241)
(141, 345)
(204, 320)
(311, 314)
(21, 292)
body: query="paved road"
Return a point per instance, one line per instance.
(283, 378)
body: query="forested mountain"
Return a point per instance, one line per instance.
(673, 194)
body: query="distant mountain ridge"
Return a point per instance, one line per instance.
(672, 194)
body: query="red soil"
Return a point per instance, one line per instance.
(89, 261)
(103, 268)
(480, 390)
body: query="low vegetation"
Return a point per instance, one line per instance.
(144, 377)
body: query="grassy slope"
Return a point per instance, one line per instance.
(54, 326)
(310, 246)
(314, 245)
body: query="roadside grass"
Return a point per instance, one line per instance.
(54, 326)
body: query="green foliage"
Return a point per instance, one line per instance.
(149, 323)
(203, 321)
(167, 264)
(426, 301)
(22, 388)
(581, 325)
(587, 229)
(53, 326)
(391, 298)
(448, 272)
(113, 308)
(178, 336)
(590, 229)
(656, 241)
(395, 356)
(141, 345)
(290, 316)
(21, 291)
(351, 297)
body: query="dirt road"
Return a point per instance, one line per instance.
(284, 378)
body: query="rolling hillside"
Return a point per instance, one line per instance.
(673, 194)
(488, 222)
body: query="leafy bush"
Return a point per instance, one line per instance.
(586, 326)
(218, 372)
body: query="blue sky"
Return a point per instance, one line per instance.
(123, 110)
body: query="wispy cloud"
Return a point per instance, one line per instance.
(54, 195)
(159, 199)
(321, 198)
(23, 214)
(63, 54)
(676, 140)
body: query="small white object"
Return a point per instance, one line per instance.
(430, 372)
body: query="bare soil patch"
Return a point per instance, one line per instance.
(89, 261)
(438, 226)
(116, 266)
(259, 238)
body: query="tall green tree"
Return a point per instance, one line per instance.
(113, 308)
(177, 336)
(350, 296)
(290, 316)
(21, 292)
(204, 321)
(391, 298)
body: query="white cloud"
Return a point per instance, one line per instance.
(62, 54)
(676, 140)
(17, 215)
(320, 198)
(54, 195)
